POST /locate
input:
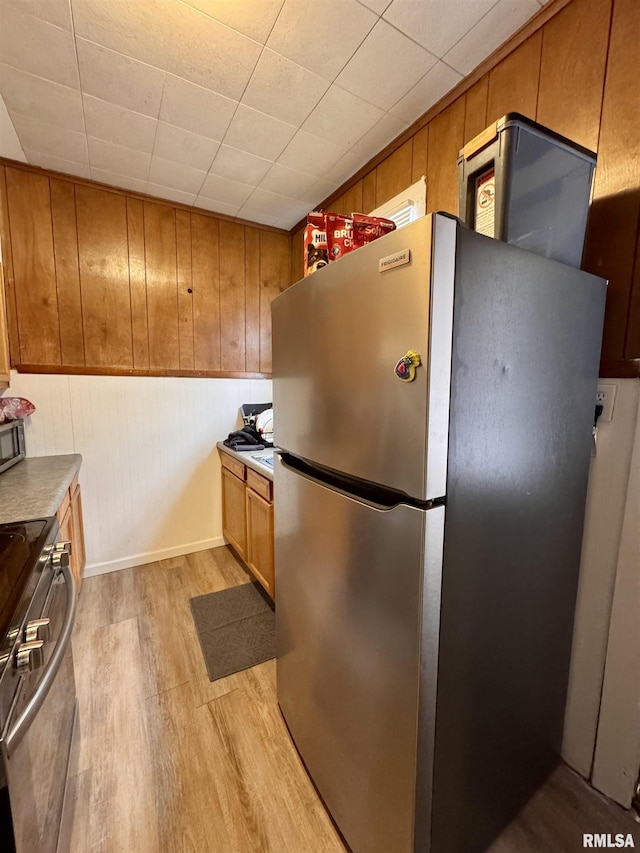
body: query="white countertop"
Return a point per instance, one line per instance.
(252, 458)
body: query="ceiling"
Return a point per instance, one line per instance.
(251, 108)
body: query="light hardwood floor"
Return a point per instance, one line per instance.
(170, 762)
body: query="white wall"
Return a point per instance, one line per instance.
(151, 475)
(607, 497)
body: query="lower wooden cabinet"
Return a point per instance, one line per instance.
(234, 525)
(72, 529)
(247, 518)
(260, 539)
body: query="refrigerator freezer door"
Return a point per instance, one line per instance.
(337, 337)
(348, 623)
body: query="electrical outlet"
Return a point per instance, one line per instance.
(605, 396)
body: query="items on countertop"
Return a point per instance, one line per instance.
(329, 236)
(247, 438)
(13, 408)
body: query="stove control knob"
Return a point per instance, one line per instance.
(29, 656)
(61, 555)
(37, 629)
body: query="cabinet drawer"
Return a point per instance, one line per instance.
(261, 485)
(234, 465)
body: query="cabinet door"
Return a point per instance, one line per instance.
(65, 534)
(260, 540)
(78, 555)
(233, 511)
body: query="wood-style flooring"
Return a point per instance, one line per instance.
(172, 763)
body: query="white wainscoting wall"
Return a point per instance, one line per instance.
(150, 475)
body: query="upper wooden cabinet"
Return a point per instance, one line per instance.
(102, 281)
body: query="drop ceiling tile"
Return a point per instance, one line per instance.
(216, 206)
(377, 6)
(273, 205)
(57, 164)
(322, 189)
(276, 76)
(119, 159)
(34, 46)
(210, 54)
(119, 79)
(170, 194)
(9, 143)
(115, 124)
(438, 24)
(253, 18)
(385, 67)
(240, 166)
(259, 217)
(288, 182)
(382, 134)
(435, 83)
(258, 134)
(489, 33)
(141, 30)
(35, 135)
(225, 190)
(182, 146)
(115, 180)
(325, 43)
(310, 154)
(57, 12)
(345, 167)
(195, 108)
(342, 117)
(50, 102)
(167, 173)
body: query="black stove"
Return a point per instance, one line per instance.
(37, 687)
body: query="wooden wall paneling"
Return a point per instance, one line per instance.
(206, 292)
(394, 174)
(65, 246)
(232, 296)
(104, 277)
(632, 344)
(138, 283)
(7, 264)
(352, 199)
(297, 256)
(252, 308)
(29, 202)
(369, 191)
(162, 285)
(185, 289)
(513, 84)
(574, 54)
(475, 116)
(275, 270)
(446, 133)
(420, 142)
(615, 210)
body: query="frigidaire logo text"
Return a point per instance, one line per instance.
(607, 840)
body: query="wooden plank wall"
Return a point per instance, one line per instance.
(101, 281)
(577, 74)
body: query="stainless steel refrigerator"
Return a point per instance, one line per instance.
(434, 395)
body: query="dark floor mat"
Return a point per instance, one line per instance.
(236, 628)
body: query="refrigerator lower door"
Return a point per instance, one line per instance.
(348, 637)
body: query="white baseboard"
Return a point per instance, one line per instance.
(152, 557)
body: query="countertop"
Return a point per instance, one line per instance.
(34, 487)
(248, 458)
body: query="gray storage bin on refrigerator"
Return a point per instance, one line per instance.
(526, 185)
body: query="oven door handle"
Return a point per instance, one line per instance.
(27, 715)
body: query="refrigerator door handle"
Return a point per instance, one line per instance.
(370, 494)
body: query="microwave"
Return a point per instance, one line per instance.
(11, 443)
